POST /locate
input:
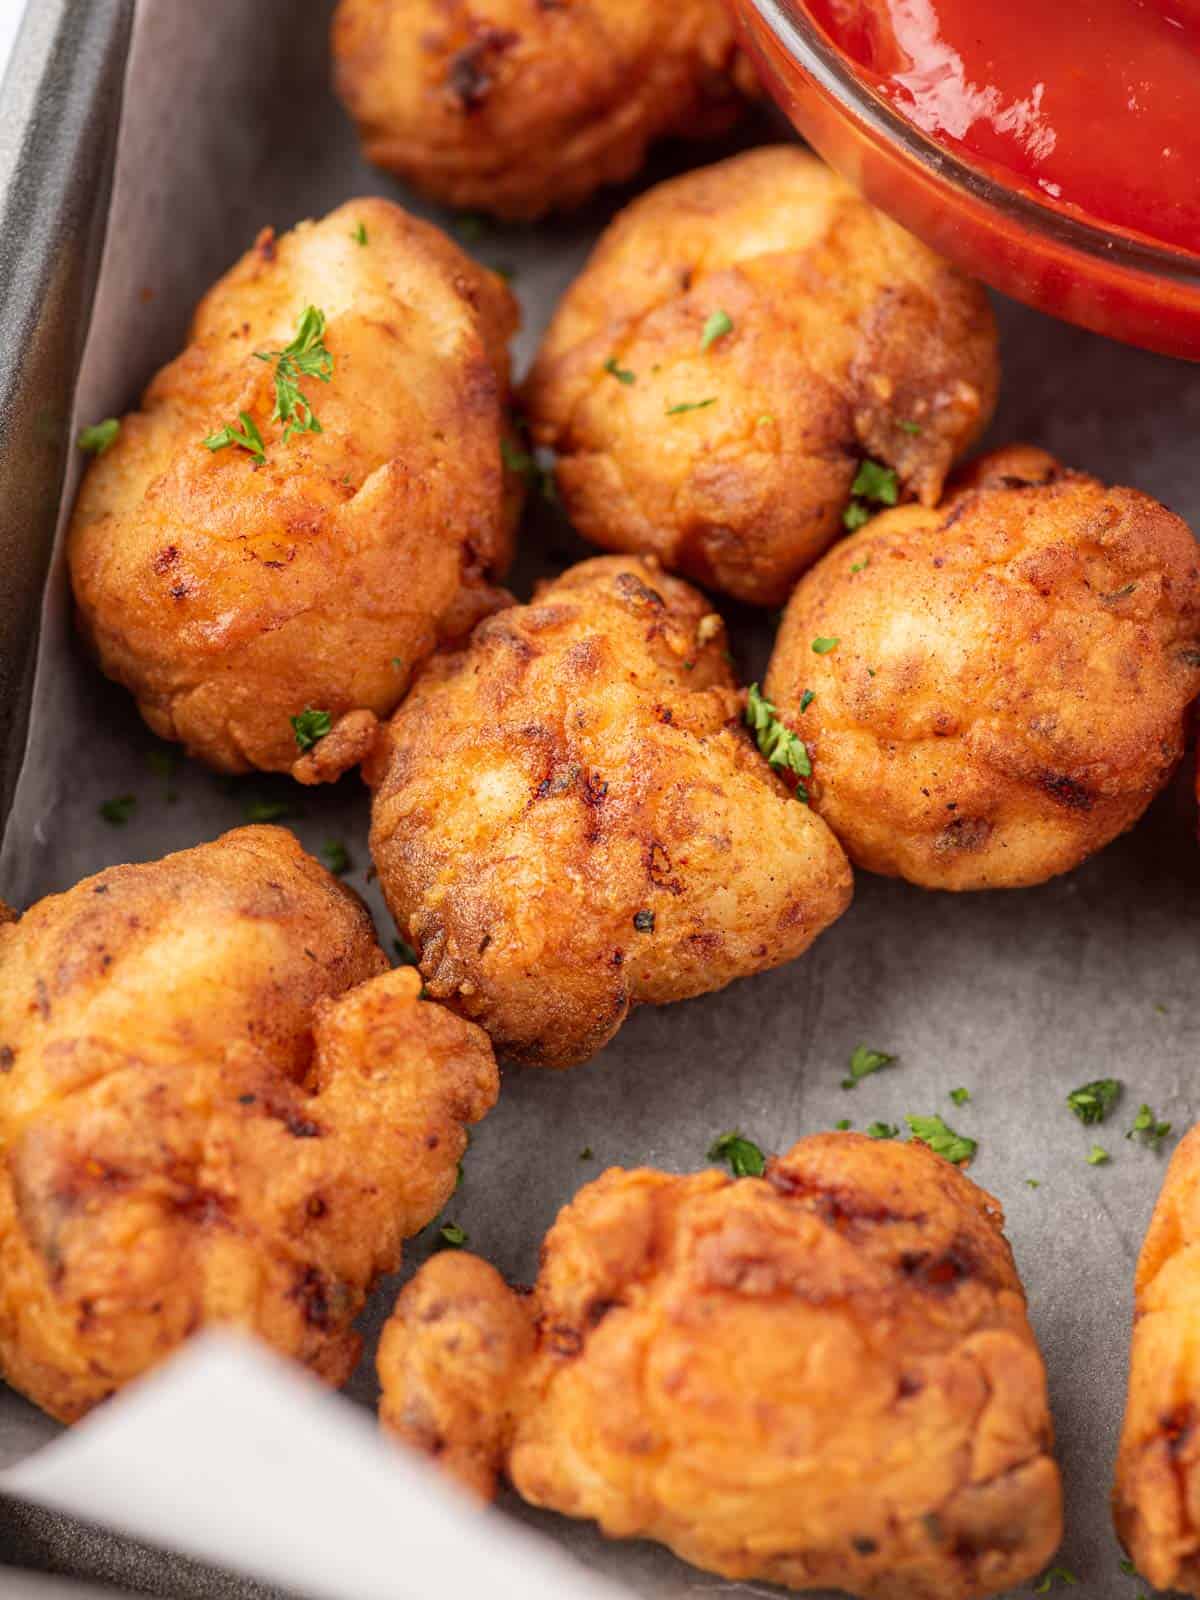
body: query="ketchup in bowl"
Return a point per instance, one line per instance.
(1094, 105)
(1050, 146)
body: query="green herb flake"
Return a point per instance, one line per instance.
(259, 810)
(691, 405)
(863, 1063)
(452, 1236)
(883, 1130)
(806, 699)
(336, 857)
(745, 1159)
(310, 726)
(1053, 1578)
(516, 460)
(1098, 1155)
(1127, 1567)
(781, 747)
(854, 516)
(717, 326)
(960, 1096)
(101, 436)
(909, 427)
(360, 234)
(876, 483)
(118, 810)
(942, 1140)
(621, 374)
(861, 566)
(822, 647)
(1033, 1183)
(246, 438)
(843, 1125)
(306, 357)
(1092, 1102)
(586, 1153)
(1147, 1128)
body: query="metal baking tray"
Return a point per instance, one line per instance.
(227, 123)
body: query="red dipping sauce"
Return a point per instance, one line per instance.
(1052, 147)
(1094, 105)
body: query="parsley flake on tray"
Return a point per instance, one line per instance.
(101, 436)
(863, 1063)
(310, 726)
(942, 1140)
(1092, 1102)
(745, 1159)
(781, 747)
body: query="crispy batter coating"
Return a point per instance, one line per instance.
(1156, 1504)
(229, 596)
(1011, 675)
(519, 107)
(217, 1105)
(570, 818)
(847, 339)
(824, 1378)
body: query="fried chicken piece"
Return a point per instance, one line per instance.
(1156, 1504)
(824, 1378)
(230, 594)
(1009, 679)
(741, 339)
(217, 1105)
(570, 818)
(519, 107)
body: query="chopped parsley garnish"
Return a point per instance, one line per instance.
(259, 810)
(1147, 1128)
(1092, 1102)
(1056, 1575)
(822, 647)
(942, 1140)
(1098, 1155)
(863, 1063)
(1127, 1567)
(860, 566)
(360, 233)
(119, 809)
(162, 764)
(745, 1159)
(717, 326)
(781, 747)
(960, 1096)
(691, 405)
(806, 699)
(621, 374)
(247, 438)
(452, 1236)
(586, 1153)
(910, 427)
(305, 357)
(101, 436)
(643, 921)
(335, 856)
(843, 1125)
(406, 956)
(883, 1130)
(310, 726)
(515, 460)
(873, 484)
(1033, 1183)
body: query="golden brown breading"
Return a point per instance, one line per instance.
(217, 1105)
(1008, 689)
(1156, 1504)
(824, 1378)
(518, 107)
(570, 818)
(848, 339)
(229, 596)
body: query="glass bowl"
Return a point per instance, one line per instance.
(1111, 282)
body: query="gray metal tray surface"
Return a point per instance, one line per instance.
(1018, 996)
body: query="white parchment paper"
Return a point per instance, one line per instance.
(1018, 997)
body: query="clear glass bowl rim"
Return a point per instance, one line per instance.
(804, 42)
